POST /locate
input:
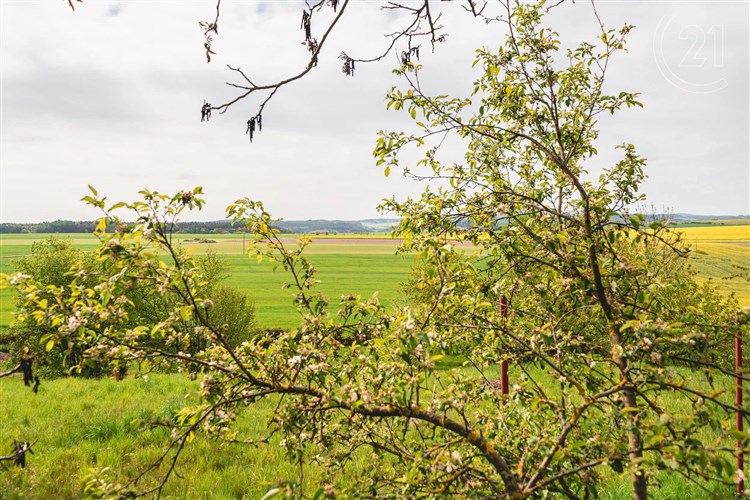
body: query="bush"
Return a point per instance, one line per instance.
(50, 263)
(234, 311)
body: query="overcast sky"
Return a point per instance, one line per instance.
(110, 96)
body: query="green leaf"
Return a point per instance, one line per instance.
(742, 436)
(271, 493)
(185, 313)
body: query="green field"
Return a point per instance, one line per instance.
(364, 265)
(346, 265)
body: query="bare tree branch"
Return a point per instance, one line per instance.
(20, 449)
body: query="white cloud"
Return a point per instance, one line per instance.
(110, 95)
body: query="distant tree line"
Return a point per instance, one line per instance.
(319, 225)
(312, 226)
(195, 227)
(57, 226)
(67, 226)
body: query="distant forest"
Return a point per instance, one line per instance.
(215, 227)
(316, 226)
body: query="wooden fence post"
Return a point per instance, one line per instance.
(738, 401)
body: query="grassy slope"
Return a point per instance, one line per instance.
(81, 424)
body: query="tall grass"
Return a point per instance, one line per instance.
(80, 424)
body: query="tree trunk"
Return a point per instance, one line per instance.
(635, 449)
(635, 441)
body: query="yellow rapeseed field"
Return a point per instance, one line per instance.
(721, 253)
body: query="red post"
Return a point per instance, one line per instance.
(504, 385)
(738, 401)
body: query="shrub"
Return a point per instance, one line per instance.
(50, 263)
(234, 312)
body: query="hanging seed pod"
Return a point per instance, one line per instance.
(348, 67)
(305, 25)
(256, 122)
(250, 128)
(205, 111)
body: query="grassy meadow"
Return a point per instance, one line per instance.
(81, 424)
(361, 265)
(365, 264)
